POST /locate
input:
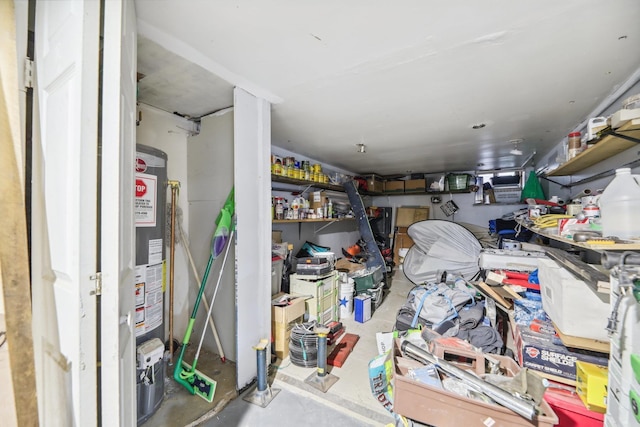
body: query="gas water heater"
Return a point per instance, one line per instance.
(149, 210)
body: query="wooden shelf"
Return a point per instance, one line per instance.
(302, 182)
(322, 185)
(295, 221)
(606, 147)
(416, 193)
(546, 232)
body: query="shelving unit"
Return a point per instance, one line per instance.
(324, 186)
(594, 247)
(614, 142)
(294, 221)
(302, 182)
(413, 193)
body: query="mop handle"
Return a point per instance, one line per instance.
(185, 245)
(215, 291)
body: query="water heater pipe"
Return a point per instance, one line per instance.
(175, 187)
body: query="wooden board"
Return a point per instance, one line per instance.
(402, 241)
(610, 145)
(511, 292)
(492, 293)
(342, 350)
(582, 343)
(405, 216)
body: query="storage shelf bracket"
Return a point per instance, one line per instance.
(623, 136)
(317, 230)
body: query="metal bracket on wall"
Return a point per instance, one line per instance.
(623, 136)
(317, 230)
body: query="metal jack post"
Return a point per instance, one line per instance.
(264, 394)
(321, 379)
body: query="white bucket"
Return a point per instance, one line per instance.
(345, 300)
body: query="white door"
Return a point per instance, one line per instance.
(64, 240)
(117, 223)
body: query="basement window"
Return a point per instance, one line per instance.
(513, 178)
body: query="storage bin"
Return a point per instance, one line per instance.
(367, 279)
(592, 385)
(433, 406)
(570, 410)
(459, 181)
(575, 308)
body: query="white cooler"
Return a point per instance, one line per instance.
(575, 308)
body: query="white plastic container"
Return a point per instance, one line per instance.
(345, 301)
(620, 205)
(572, 305)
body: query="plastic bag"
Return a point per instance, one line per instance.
(437, 303)
(532, 188)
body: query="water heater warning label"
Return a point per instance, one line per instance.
(146, 200)
(148, 298)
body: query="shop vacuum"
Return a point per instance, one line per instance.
(149, 209)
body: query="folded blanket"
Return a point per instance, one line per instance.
(483, 337)
(471, 316)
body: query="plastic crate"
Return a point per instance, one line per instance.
(459, 181)
(367, 280)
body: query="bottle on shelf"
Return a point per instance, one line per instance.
(279, 208)
(619, 206)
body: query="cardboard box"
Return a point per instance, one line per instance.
(591, 385)
(429, 405)
(394, 186)
(276, 236)
(546, 355)
(282, 321)
(403, 241)
(362, 308)
(288, 313)
(317, 199)
(375, 183)
(281, 334)
(415, 185)
(405, 216)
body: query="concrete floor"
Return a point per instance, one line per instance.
(348, 402)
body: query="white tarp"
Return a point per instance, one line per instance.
(441, 246)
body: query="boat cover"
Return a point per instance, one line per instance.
(440, 246)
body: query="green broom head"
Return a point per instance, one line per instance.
(224, 224)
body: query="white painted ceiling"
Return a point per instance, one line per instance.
(409, 79)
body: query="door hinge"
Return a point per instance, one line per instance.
(28, 73)
(98, 279)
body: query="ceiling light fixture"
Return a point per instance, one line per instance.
(516, 151)
(361, 148)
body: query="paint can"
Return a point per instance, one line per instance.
(591, 211)
(574, 209)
